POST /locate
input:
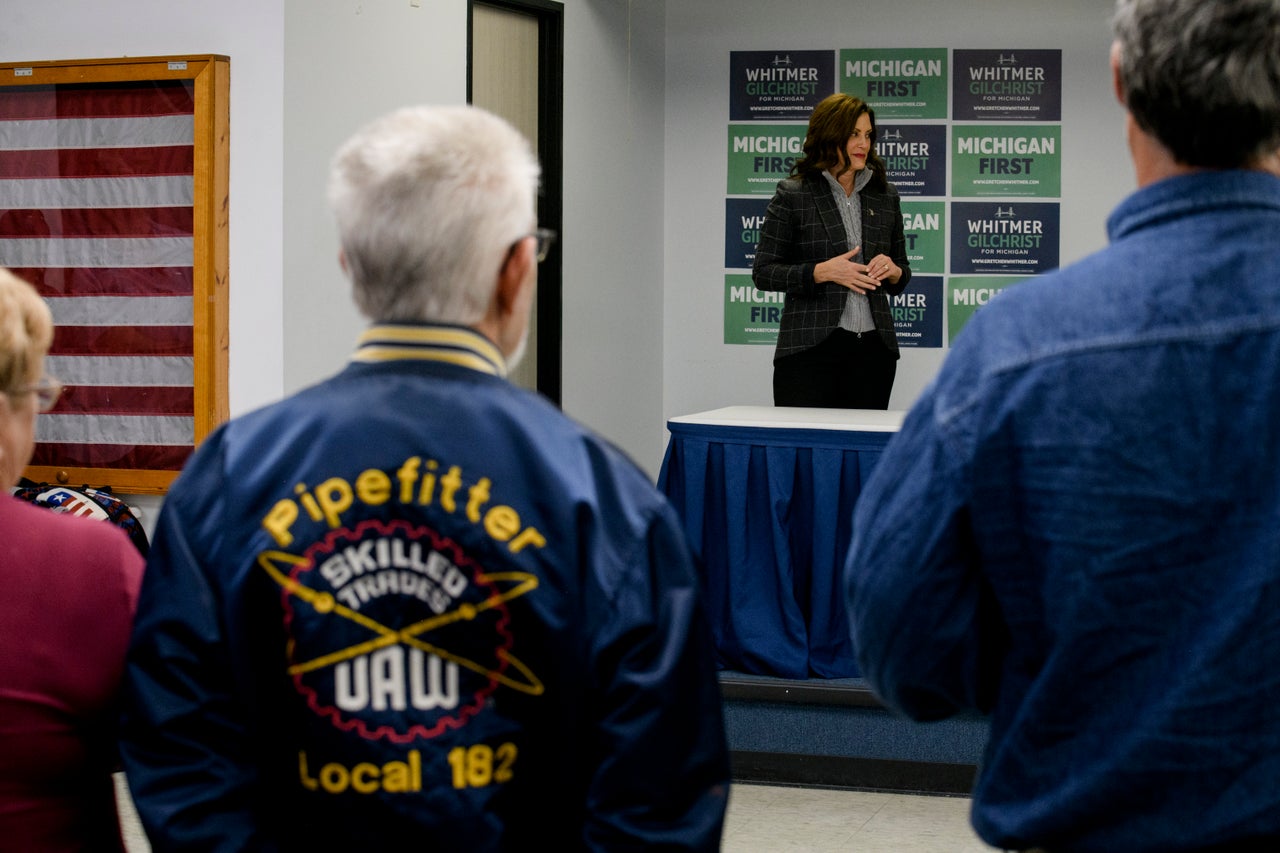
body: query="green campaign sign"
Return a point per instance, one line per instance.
(760, 155)
(1006, 160)
(897, 82)
(924, 225)
(967, 294)
(750, 316)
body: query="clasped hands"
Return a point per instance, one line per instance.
(858, 277)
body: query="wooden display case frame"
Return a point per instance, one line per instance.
(210, 77)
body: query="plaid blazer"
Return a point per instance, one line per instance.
(802, 228)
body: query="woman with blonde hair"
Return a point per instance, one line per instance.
(70, 587)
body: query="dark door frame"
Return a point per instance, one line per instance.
(550, 149)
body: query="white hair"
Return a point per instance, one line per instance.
(26, 331)
(428, 203)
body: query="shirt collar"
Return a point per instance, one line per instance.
(860, 180)
(1193, 193)
(450, 344)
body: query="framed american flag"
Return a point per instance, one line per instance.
(114, 204)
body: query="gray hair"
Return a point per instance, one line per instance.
(1203, 76)
(26, 331)
(428, 202)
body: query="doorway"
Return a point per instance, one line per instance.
(515, 68)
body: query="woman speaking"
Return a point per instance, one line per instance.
(832, 241)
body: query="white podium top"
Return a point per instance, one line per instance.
(852, 420)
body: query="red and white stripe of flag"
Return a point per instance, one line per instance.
(96, 211)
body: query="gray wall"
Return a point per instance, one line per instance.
(701, 372)
(614, 221)
(348, 62)
(251, 32)
(646, 105)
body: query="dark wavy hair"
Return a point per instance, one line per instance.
(830, 125)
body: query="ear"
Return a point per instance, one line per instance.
(514, 276)
(342, 262)
(1115, 73)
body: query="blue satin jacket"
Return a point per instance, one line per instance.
(414, 605)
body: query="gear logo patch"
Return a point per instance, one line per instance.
(394, 633)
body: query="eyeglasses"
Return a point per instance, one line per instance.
(544, 237)
(47, 391)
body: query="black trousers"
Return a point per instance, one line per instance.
(848, 370)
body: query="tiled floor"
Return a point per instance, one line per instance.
(134, 839)
(768, 819)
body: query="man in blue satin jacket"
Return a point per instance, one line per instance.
(1076, 529)
(414, 606)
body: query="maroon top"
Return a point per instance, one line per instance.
(68, 588)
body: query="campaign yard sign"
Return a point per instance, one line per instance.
(774, 85)
(897, 82)
(1006, 160)
(1007, 85)
(1005, 237)
(915, 157)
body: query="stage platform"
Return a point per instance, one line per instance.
(835, 733)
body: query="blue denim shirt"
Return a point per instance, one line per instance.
(1077, 531)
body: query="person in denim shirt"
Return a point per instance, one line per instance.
(1077, 530)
